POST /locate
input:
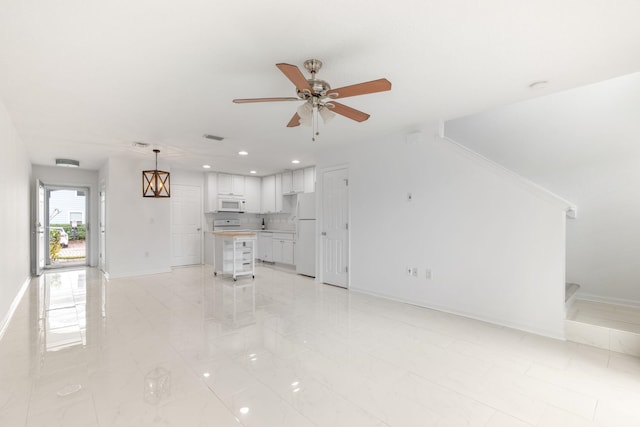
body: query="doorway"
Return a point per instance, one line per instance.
(65, 214)
(335, 227)
(186, 225)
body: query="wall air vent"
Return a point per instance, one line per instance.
(215, 138)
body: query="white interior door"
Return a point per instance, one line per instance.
(186, 225)
(335, 227)
(41, 238)
(102, 231)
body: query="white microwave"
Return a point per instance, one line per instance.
(230, 205)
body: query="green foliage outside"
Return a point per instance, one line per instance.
(54, 245)
(82, 231)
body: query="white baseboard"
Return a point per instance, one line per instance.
(14, 305)
(608, 300)
(559, 335)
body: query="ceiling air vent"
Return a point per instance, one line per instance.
(215, 138)
(69, 163)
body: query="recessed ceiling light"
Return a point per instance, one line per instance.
(206, 166)
(541, 84)
(243, 153)
(253, 172)
(244, 410)
(295, 162)
(68, 163)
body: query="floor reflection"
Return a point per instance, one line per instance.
(63, 302)
(235, 303)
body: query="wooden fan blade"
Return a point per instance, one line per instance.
(348, 112)
(295, 121)
(248, 100)
(373, 86)
(294, 74)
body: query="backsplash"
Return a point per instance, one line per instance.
(278, 221)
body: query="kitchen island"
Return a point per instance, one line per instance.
(234, 253)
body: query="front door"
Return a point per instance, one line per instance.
(102, 231)
(186, 225)
(335, 227)
(41, 238)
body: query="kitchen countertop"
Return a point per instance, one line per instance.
(234, 233)
(254, 231)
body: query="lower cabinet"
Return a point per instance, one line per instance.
(283, 248)
(265, 247)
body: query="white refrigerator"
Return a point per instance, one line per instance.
(305, 251)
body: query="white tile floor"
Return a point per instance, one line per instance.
(171, 350)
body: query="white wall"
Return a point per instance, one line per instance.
(137, 228)
(495, 245)
(70, 177)
(581, 144)
(14, 216)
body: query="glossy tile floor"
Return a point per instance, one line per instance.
(187, 349)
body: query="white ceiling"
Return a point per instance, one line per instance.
(85, 79)
(581, 143)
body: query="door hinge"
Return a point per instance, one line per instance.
(346, 182)
(346, 269)
(346, 226)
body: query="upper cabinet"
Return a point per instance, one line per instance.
(309, 179)
(298, 181)
(278, 193)
(211, 192)
(231, 185)
(287, 182)
(253, 194)
(269, 194)
(262, 195)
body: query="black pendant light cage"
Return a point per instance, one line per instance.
(156, 183)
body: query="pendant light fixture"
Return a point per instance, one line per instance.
(156, 183)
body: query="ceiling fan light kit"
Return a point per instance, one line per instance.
(318, 96)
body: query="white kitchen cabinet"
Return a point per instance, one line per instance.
(298, 181)
(252, 194)
(230, 185)
(287, 182)
(309, 179)
(211, 192)
(283, 248)
(279, 192)
(265, 246)
(269, 194)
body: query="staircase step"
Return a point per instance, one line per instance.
(608, 326)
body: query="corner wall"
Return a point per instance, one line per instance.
(15, 214)
(137, 228)
(495, 247)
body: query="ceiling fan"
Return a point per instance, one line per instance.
(318, 96)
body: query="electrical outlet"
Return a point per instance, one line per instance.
(414, 271)
(428, 274)
(408, 271)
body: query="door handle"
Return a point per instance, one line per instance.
(198, 229)
(324, 233)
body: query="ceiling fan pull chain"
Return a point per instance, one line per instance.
(314, 120)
